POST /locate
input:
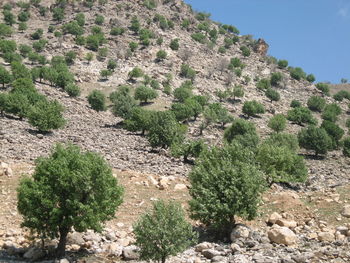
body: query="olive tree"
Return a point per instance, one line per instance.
(316, 139)
(277, 123)
(97, 100)
(69, 189)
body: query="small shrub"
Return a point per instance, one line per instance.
(334, 131)
(245, 51)
(276, 78)
(297, 73)
(144, 94)
(241, 128)
(97, 100)
(252, 108)
(315, 139)
(323, 87)
(263, 84)
(272, 94)
(283, 139)
(187, 72)
(199, 37)
(117, 31)
(163, 232)
(346, 147)
(277, 123)
(301, 115)
(161, 55)
(310, 78)
(99, 20)
(135, 73)
(174, 44)
(282, 63)
(72, 90)
(331, 112)
(182, 93)
(316, 103)
(295, 104)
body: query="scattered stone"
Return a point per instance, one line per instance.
(202, 246)
(286, 223)
(180, 187)
(282, 235)
(210, 253)
(34, 253)
(131, 252)
(325, 236)
(346, 211)
(274, 217)
(239, 231)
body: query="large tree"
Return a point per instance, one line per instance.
(69, 189)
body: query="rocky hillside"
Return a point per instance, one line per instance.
(221, 59)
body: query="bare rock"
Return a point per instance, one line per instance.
(274, 217)
(202, 246)
(346, 211)
(180, 187)
(75, 238)
(131, 252)
(114, 249)
(286, 223)
(34, 253)
(282, 235)
(210, 253)
(325, 236)
(240, 231)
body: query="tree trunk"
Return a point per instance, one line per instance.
(61, 248)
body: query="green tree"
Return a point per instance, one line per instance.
(334, 131)
(225, 183)
(163, 232)
(123, 102)
(310, 78)
(283, 139)
(99, 20)
(316, 103)
(245, 51)
(282, 63)
(297, 73)
(19, 70)
(97, 100)
(240, 130)
(331, 112)
(3, 103)
(135, 25)
(135, 73)
(324, 87)
(5, 30)
(301, 115)
(252, 108)
(164, 130)
(161, 55)
(280, 164)
(276, 78)
(182, 93)
(58, 14)
(89, 57)
(69, 189)
(5, 76)
(80, 18)
(315, 139)
(295, 104)
(346, 147)
(187, 72)
(9, 17)
(72, 90)
(189, 148)
(277, 123)
(46, 115)
(272, 94)
(174, 44)
(263, 84)
(105, 73)
(144, 94)
(237, 91)
(22, 27)
(111, 65)
(18, 104)
(139, 119)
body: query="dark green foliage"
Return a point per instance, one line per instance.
(138, 119)
(310, 78)
(164, 130)
(277, 123)
(5, 76)
(263, 84)
(150, 4)
(245, 51)
(331, 112)
(342, 94)
(39, 45)
(199, 37)
(22, 26)
(181, 111)
(187, 72)
(280, 164)
(161, 55)
(225, 184)
(73, 28)
(80, 18)
(18, 104)
(334, 131)
(135, 73)
(237, 91)
(9, 17)
(323, 87)
(70, 56)
(295, 104)
(297, 73)
(301, 115)
(144, 94)
(58, 14)
(5, 30)
(235, 63)
(135, 25)
(231, 29)
(97, 100)
(3, 103)
(23, 16)
(283, 139)
(123, 102)
(111, 65)
(315, 139)
(252, 108)
(174, 44)
(276, 78)
(72, 90)
(201, 16)
(282, 63)
(8, 46)
(99, 20)
(316, 103)
(346, 147)
(102, 53)
(217, 113)
(241, 129)
(182, 93)
(69, 189)
(19, 70)
(24, 50)
(46, 115)
(154, 84)
(163, 232)
(188, 149)
(272, 94)
(117, 31)
(93, 42)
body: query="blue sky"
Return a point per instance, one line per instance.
(311, 34)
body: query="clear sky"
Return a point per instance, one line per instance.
(311, 34)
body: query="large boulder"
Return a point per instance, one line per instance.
(282, 235)
(239, 231)
(346, 211)
(131, 253)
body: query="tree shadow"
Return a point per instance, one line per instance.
(37, 132)
(313, 157)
